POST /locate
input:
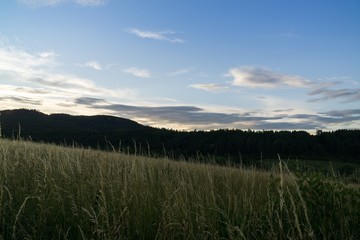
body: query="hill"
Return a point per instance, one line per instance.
(65, 128)
(53, 192)
(32, 121)
(222, 146)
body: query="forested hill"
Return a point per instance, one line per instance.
(108, 132)
(84, 130)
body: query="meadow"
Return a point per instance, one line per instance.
(54, 192)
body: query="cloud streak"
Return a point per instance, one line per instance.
(90, 2)
(41, 3)
(162, 36)
(23, 100)
(137, 72)
(35, 76)
(264, 78)
(180, 72)
(53, 3)
(255, 77)
(35, 80)
(190, 117)
(21, 66)
(210, 87)
(325, 93)
(94, 65)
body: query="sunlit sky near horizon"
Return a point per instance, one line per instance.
(207, 64)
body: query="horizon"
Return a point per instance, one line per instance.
(313, 132)
(183, 65)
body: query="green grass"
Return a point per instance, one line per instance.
(51, 192)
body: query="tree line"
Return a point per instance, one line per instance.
(234, 145)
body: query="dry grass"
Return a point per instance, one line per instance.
(51, 192)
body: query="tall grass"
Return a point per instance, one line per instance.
(51, 192)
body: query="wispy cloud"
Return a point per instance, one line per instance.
(23, 100)
(180, 72)
(186, 115)
(47, 55)
(255, 77)
(90, 2)
(142, 73)
(210, 87)
(36, 76)
(53, 3)
(21, 66)
(163, 35)
(94, 65)
(19, 63)
(325, 93)
(343, 113)
(41, 3)
(190, 117)
(258, 77)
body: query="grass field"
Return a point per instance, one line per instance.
(52, 192)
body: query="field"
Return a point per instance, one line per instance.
(52, 192)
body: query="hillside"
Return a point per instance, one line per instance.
(221, 146)
(57, 128)
(32, 121)
(52, 192)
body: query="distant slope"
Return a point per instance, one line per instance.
(40, 126)
(222, 146)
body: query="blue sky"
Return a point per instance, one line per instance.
(281, 65)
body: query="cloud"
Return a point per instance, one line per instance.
(255, 77)
(53, 3)
(347, 112)
(41, 3)
(210, 87)
(339, 116)
(31, 80)
(32, 90)
(188, 117)
(23, 100)
(177, 114)
(163, 36)
(180, 72)
(307, 125)
(95, 65)
(191, 117)
(90, 2)
(38, 71)
(325, 93)
(21, 66)
(142, 73)
(48, 55)
(19, 61)
(89, 100)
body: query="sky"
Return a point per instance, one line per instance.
(205, 64)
